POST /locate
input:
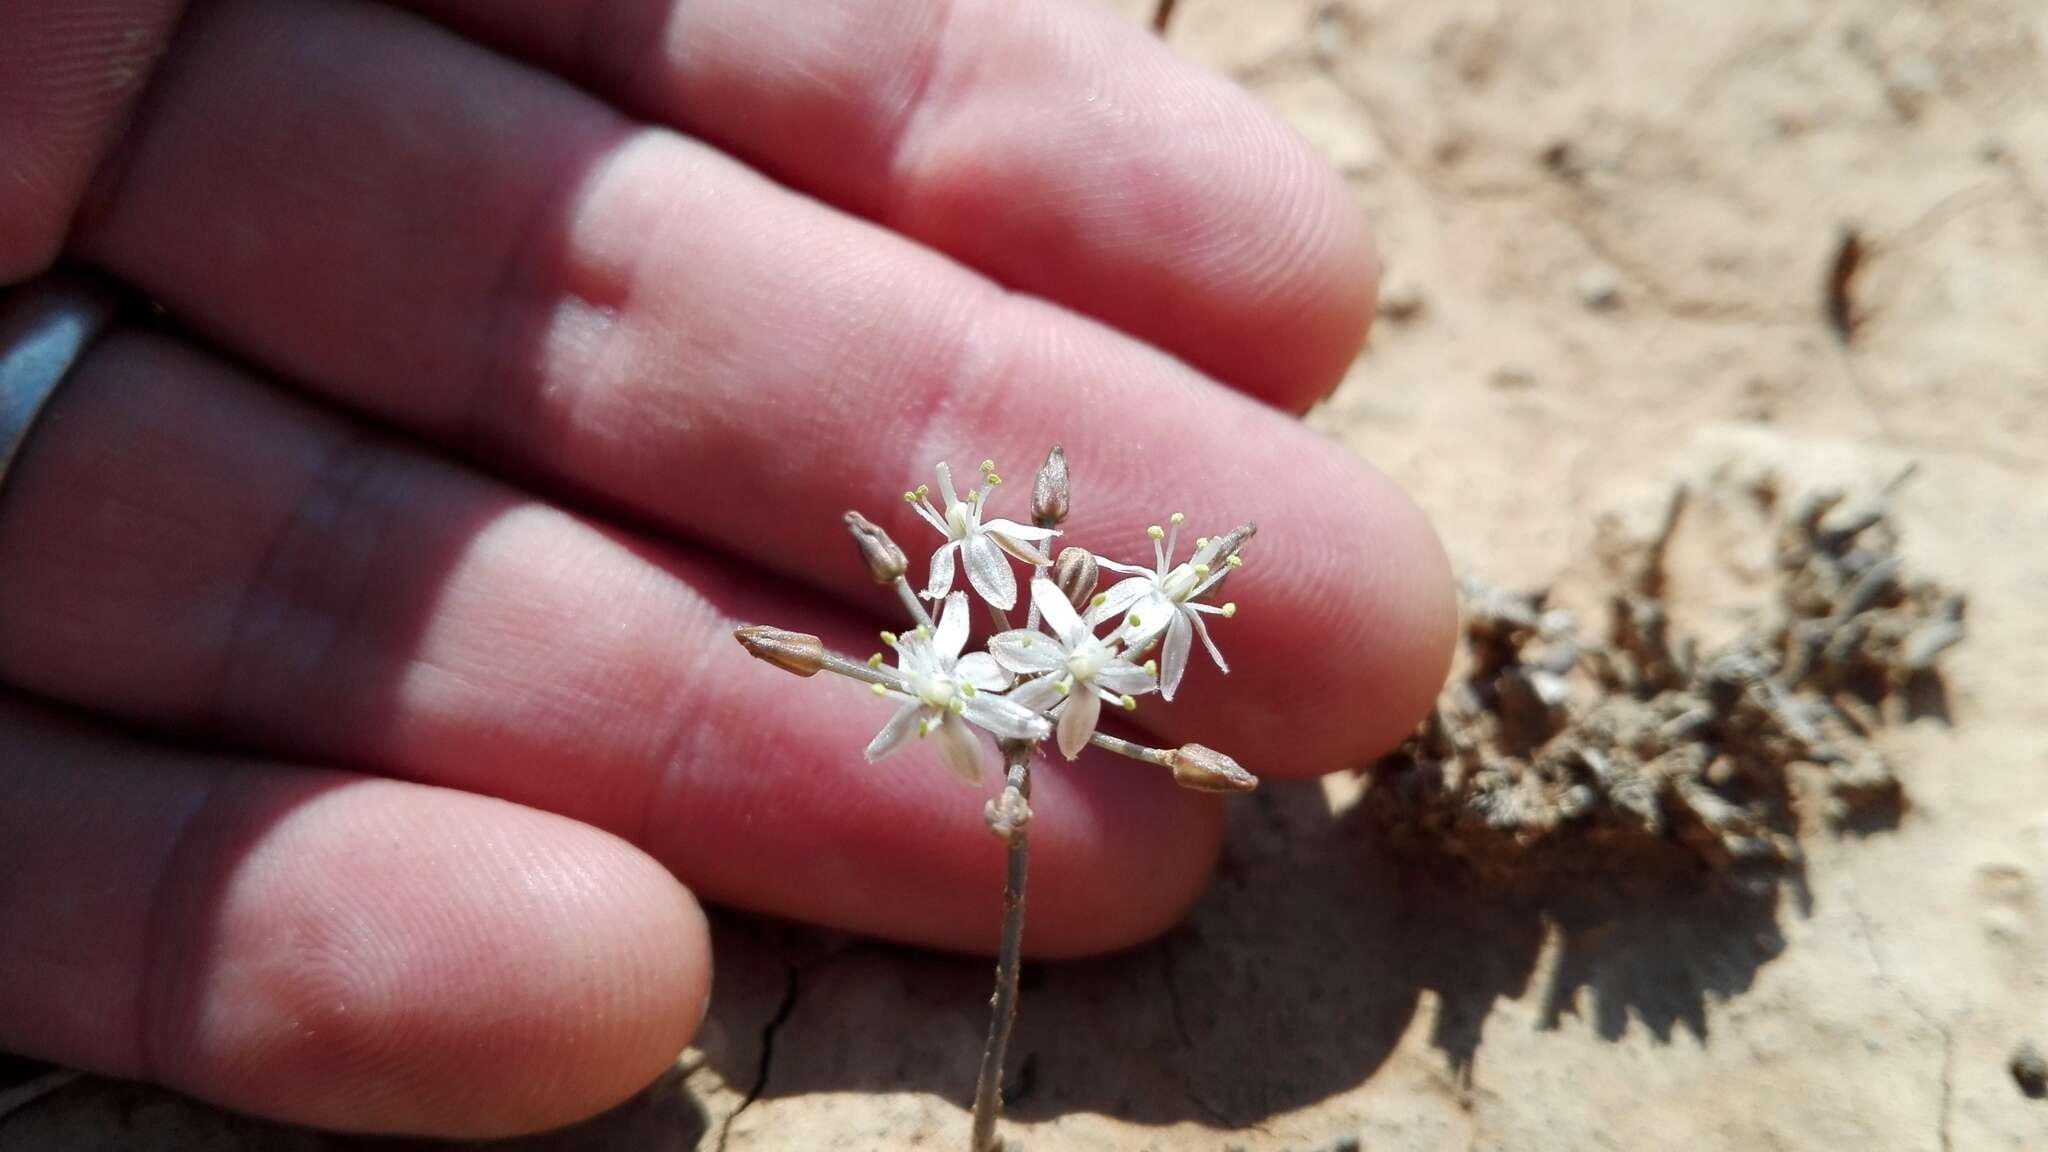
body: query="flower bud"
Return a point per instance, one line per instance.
(1203, 769)
(884, 559)
(1049, 489)
(797, 652)
(1219, 550)
(1076, 574)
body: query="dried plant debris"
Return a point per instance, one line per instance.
(1552, 754)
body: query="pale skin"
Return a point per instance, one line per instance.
(370, 725)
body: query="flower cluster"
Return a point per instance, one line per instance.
(1077, 651)
(1055, 674)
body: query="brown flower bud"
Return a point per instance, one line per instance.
(1203, 769)
(1049, 489)
(797, 652)
(884, 559)
(1076, 574)
(1222, 548)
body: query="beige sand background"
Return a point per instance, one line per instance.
(1608, 226)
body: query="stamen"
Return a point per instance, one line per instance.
(878, 690)
(956, 706)
(1063, 685)
(889, 638)
(1173, 536)
(1201, 571)
(910, 497)
(1098, 600)
(875, 661)
(966, 689)
(1024, 643)
(1230, 609)
(924, 491)
(1129, 702)
(1176, 519)
(1152, 669)
(924, 727)
(988, 465)
(1201, 542)
(923, 633)
(993, 479)
(1156, 532)
(1235, 561)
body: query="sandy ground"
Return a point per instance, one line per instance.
(1608, 227)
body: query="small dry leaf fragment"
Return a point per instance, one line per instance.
(885, 561)
(798, 652)
(1203, 769)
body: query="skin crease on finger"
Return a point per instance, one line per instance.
(337, 950)
(692, 344)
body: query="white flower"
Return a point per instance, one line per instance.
(981, 542)
(1072, 657)
(943, 692)
(1162, 599)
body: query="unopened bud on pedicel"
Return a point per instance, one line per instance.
(1049, 496)
(1076, 574)
(884, 559)
(1207, 770)
(798, 652)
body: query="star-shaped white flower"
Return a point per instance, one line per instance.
(980, 542)
(1076, 667)
(943, 692)
(1162, 600)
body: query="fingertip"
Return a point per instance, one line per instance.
(1348, 618)
(384, 957)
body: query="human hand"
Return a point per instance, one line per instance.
(365, 632)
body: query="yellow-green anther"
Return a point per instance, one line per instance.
(1152, 669)
(1230, 610)
(889, 638)
(875, 661)
(1201, 571)
(878, 690)
(1177, 518)
(956, 705)
(988, 465)
(1129, 702)
(1156, 532)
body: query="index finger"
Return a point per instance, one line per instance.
(1050, 145)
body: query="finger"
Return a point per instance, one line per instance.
(1053, 146)
(330, 949)
(719, 369)
(69, 70)
(183, 547)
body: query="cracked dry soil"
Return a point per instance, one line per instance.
(1614, 244)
